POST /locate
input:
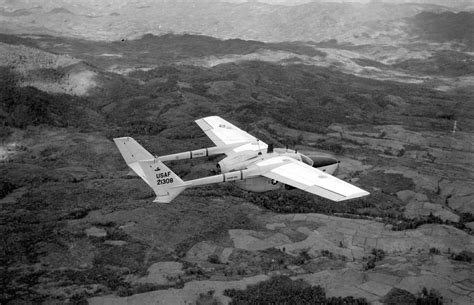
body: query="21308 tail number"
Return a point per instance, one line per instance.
(164, 181)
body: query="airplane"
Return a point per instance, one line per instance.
(249, 163)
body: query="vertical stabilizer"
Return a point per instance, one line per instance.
(133, 152)
(166, 184)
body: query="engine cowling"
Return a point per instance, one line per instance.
(326, 164)
(234, 163)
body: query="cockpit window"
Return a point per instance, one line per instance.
(306, 160)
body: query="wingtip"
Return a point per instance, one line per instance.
(357, 195)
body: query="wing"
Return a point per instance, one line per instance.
(223, 133)
(309, 179)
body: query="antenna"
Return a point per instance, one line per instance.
(259, 149)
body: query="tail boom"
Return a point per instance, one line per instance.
(164, 182)
(199, 153)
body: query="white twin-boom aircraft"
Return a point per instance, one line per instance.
(249, 162)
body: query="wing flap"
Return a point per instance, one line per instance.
(309, 179)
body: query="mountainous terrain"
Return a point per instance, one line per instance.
(347, 22)
(61, 172)
(385, 88)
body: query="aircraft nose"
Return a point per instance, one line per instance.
(326, 164)
(324, 161)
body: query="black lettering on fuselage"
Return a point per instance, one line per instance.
(232, 177)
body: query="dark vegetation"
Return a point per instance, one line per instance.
(378, 204)
(5, 188)
(263, 261)
(283, 290)
(446, 62)
(27, 106)
(364, 62)
(295, 201)
(431, 297)
(161, 49)
(207, 299)
(377, 255)
(400, 296)
(463, 256)
(466, 217)
(402, 223)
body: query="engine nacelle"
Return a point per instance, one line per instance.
(236, 162)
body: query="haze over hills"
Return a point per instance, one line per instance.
(349, 22)
(460, 4)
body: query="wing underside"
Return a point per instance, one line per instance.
(309, 179)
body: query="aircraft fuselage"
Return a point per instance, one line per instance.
(245, 160)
